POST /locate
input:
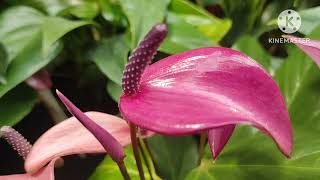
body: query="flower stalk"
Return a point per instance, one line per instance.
(138, 61)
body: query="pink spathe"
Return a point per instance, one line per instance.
(311, 47)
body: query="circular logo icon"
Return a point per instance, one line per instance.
(289, 21)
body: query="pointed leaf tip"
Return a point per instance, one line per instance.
(111, 145)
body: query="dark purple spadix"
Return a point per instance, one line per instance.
(16, 140)
(110, 144)
(141, 57)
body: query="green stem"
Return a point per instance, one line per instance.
(124, 171)
(145, 159)
(136, 152)
(202, 144)
(95, 34)
(52, 105)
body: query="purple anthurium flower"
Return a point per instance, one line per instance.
(207, 89)
(310, 47)
(40, 80)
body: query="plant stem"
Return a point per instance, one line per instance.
(135, 147)
(202, 144)
(145, 159)
(52, 105)
(124, 171)
(95, 34)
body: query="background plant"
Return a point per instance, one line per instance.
(85, 45)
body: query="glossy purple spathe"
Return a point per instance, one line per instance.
(206, 89)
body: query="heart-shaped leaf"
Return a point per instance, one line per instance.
(16, 104)
(142, 15)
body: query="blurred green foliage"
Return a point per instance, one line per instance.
(100, 34)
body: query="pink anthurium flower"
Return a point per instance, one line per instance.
(22, 146)
(66, 138)
(310, 47)
(207, 89)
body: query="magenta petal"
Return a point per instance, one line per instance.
(110, 144)
(218, 138)
(311, 47)
(208, 88)
(47, 173)
(70, 137)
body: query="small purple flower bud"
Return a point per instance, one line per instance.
(141, 57)
(16, 140)
(110, 144)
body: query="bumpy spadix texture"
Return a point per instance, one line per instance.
(311, 47)
(209, 89)
(16, 140)
(110, 144)
(141, 57)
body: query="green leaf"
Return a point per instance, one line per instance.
(20, 68)
(16, 104)
(3, 64)
(192, 27)
(212, 27)
(245, 15)
(114, 90)
(111, 56)
(54, 28)
(182, 36)
(26, 34)
(310, 19)
(87, 9)
(142, 15)
(250, 46)
(252, 155)
(108, 169)
(17, 31)
(111, 11)
(174, 156)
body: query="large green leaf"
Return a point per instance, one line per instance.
(26, 34)
(310, 19)
(250, 46)
(3, 63)
(29, 61)
(142, 15)
(245, 15)
(212, 27)
(191, 27)
(53, 28)
(108, 169)
(19, 26)
(16, 104)
(252, 155)
(114, 90)
(111, 11)
(182, 36)
(174, 157)
(87, 9)
(111, 56)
